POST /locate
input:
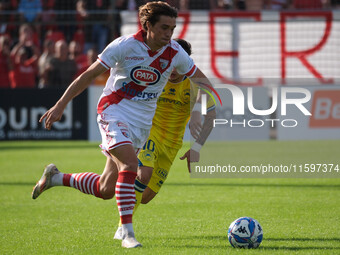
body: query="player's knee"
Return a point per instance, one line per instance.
(132, 165)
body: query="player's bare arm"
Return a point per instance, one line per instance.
(200, 79)
(76, 87)
(193, 154)
(195, 124)
(207, 127)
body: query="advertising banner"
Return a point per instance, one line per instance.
(323, 122)
(21, 109)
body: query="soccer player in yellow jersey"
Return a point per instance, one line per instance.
(166, 135)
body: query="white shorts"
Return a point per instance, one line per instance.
(116, 131)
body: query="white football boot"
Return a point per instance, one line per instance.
(129, 240)
(119, 233)
(45, 181)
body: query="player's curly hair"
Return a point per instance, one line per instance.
(185, 45)
(152, 10)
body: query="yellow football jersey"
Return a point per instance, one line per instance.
(173, 112)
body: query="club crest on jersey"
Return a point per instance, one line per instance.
(147, 155)
(163, 63)
(145, 75)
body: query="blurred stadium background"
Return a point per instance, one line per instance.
(261, 44)
(258, 44)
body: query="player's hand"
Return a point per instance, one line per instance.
(191, 156)
(52, 115)
(195, 125)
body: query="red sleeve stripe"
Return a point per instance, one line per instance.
(192, 71)
(103, 63)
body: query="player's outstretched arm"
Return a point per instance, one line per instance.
(76, 87)
(200, 79)
(207, 127)
(195, 124)
(193, 154)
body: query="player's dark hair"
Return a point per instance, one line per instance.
(185, 45)
(152, 10)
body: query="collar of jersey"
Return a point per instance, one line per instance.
(139, 36)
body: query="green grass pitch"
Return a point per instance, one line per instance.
(189, 215)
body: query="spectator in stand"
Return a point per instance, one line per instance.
(61, 70)
(66, 16)
(5, 61)
(239, 5)
(137, 3)
(76, 54)
(174, 3)
(83, 33)
(141, 2)
(121, 5)
(24, 58)
(54, 35)
(92, 55)
(186, 5)
(30, 10)
(48, 17)
(309, 4)
(335, 4)
(4, 18)
(97, 12)
(43, 61)
(28, 38)
(8, 20)
(24, 71)
(249, 5)
(224, 4)
(276, 5)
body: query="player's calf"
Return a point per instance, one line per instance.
(107, 191)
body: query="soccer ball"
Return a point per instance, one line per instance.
(245, 232)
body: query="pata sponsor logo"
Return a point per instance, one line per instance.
(145, 75)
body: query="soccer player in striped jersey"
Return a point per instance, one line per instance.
(174, 108)
(140, 66)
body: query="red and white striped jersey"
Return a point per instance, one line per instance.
(138, 75)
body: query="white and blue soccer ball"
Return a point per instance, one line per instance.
(245, 232)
